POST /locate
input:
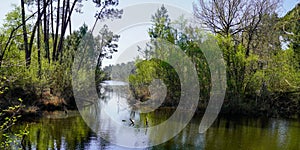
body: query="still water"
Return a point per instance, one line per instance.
(71, 131)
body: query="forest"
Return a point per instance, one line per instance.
(262, 74)
(261, 51)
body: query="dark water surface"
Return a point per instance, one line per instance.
(70, 131)
(226, 133)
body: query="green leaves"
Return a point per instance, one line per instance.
(289, 25)
(7, 123)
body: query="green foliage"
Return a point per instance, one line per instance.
(144, 74)
(255, 63)
(258, 71)
(41, 79)
(8, 118)
(161, 28)
(281, 74)
(290, 27)
(149, 70)
(234, 56)
(163, 33)
(118, 72)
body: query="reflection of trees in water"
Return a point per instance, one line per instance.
(126, 102)
(108, 91)
(67, 133)
(119, 92)
(73, 133)
(104, 92)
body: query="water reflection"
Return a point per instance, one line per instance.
(241, 133)
(57, 131)
(116, 120)
(61, 133)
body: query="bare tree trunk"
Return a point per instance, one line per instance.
(63, 22)
(70, 27)
(52, 20)
(56, 32)
(35, 26)
(46, 32)
(66, 21)
(25, 37)
(39, 40)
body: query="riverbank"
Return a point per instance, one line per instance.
(59, 105)
(36, 105)
(281, 107)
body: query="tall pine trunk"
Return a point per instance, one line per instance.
(56, 32)
(39, 40)
(46, 31)
(25, 37)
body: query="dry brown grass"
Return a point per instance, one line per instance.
(54, 101)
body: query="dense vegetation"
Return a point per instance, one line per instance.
(37, 50)
(262, 77)
(38, 46)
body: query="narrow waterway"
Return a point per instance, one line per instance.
(72, 131)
